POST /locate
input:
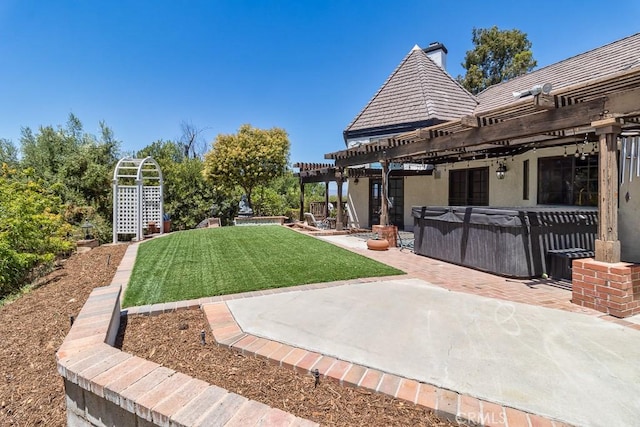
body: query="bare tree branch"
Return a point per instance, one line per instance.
(192, 142)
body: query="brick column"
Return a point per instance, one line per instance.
(612, 288)
(388, 232)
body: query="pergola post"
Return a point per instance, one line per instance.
(339, 224)
(607, 245)
(301, 200)
(315, 173)
(384, 206)
(115, 210)
(326, 199)
(139, 232)
(605, 283)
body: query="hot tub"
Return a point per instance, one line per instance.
(513, 242)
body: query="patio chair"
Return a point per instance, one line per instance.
(407, 242)
(311, 220)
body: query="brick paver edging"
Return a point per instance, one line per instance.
(105, 386)
(445, 403)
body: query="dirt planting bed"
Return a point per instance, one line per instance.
(34, 326)
(173, 340)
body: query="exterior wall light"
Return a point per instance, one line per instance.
(535, 90)
(87, 229)
(501, 171)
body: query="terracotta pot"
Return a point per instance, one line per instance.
(387, 232)
(378, 244)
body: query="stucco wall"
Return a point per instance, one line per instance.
(358, 203)
(423, 190)
(433, 190)
(629, 221)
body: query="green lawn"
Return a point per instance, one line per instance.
(226, 260)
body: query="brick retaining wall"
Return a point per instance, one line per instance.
(260, 220)
(610, 288)
(108, 387)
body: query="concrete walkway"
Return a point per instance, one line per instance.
(575, 367)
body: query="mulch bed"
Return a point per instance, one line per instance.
(173, 340)
(33, 328)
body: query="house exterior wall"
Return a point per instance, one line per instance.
(358, 203)
(629, 221)
(354, 142)
(433, 190)
(423, 190)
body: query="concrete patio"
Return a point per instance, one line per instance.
(519, 344)
(470, 345)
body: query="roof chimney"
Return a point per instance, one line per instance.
(438, 53)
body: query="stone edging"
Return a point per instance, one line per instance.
(105, 386)
(445, 403)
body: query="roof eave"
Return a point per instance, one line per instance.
(397, 128)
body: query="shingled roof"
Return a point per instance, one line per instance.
(582, 85)
(603, 61)
(420, 94)
(417, 92)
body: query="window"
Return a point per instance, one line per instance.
(469, 187)
(375, 201)
(396, 198)
(568, 181)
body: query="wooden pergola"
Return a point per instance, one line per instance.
(598, 109)
(326, 173)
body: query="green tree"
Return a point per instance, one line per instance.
(77, 166)
(250, 158)
(498, 55)
(188, 198)
(166, 153)
(46, 151)
(88, 170)
(32, 228)
(8, 152)
(280, 197)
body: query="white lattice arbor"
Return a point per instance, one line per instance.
(137, 196)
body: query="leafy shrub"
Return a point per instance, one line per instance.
(267, 202)
(32, 229)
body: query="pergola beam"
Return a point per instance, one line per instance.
(544, 101)
(572, 116)
(470, 121)
(535, 124)
(319, 173)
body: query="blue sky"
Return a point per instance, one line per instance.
(306, 66)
